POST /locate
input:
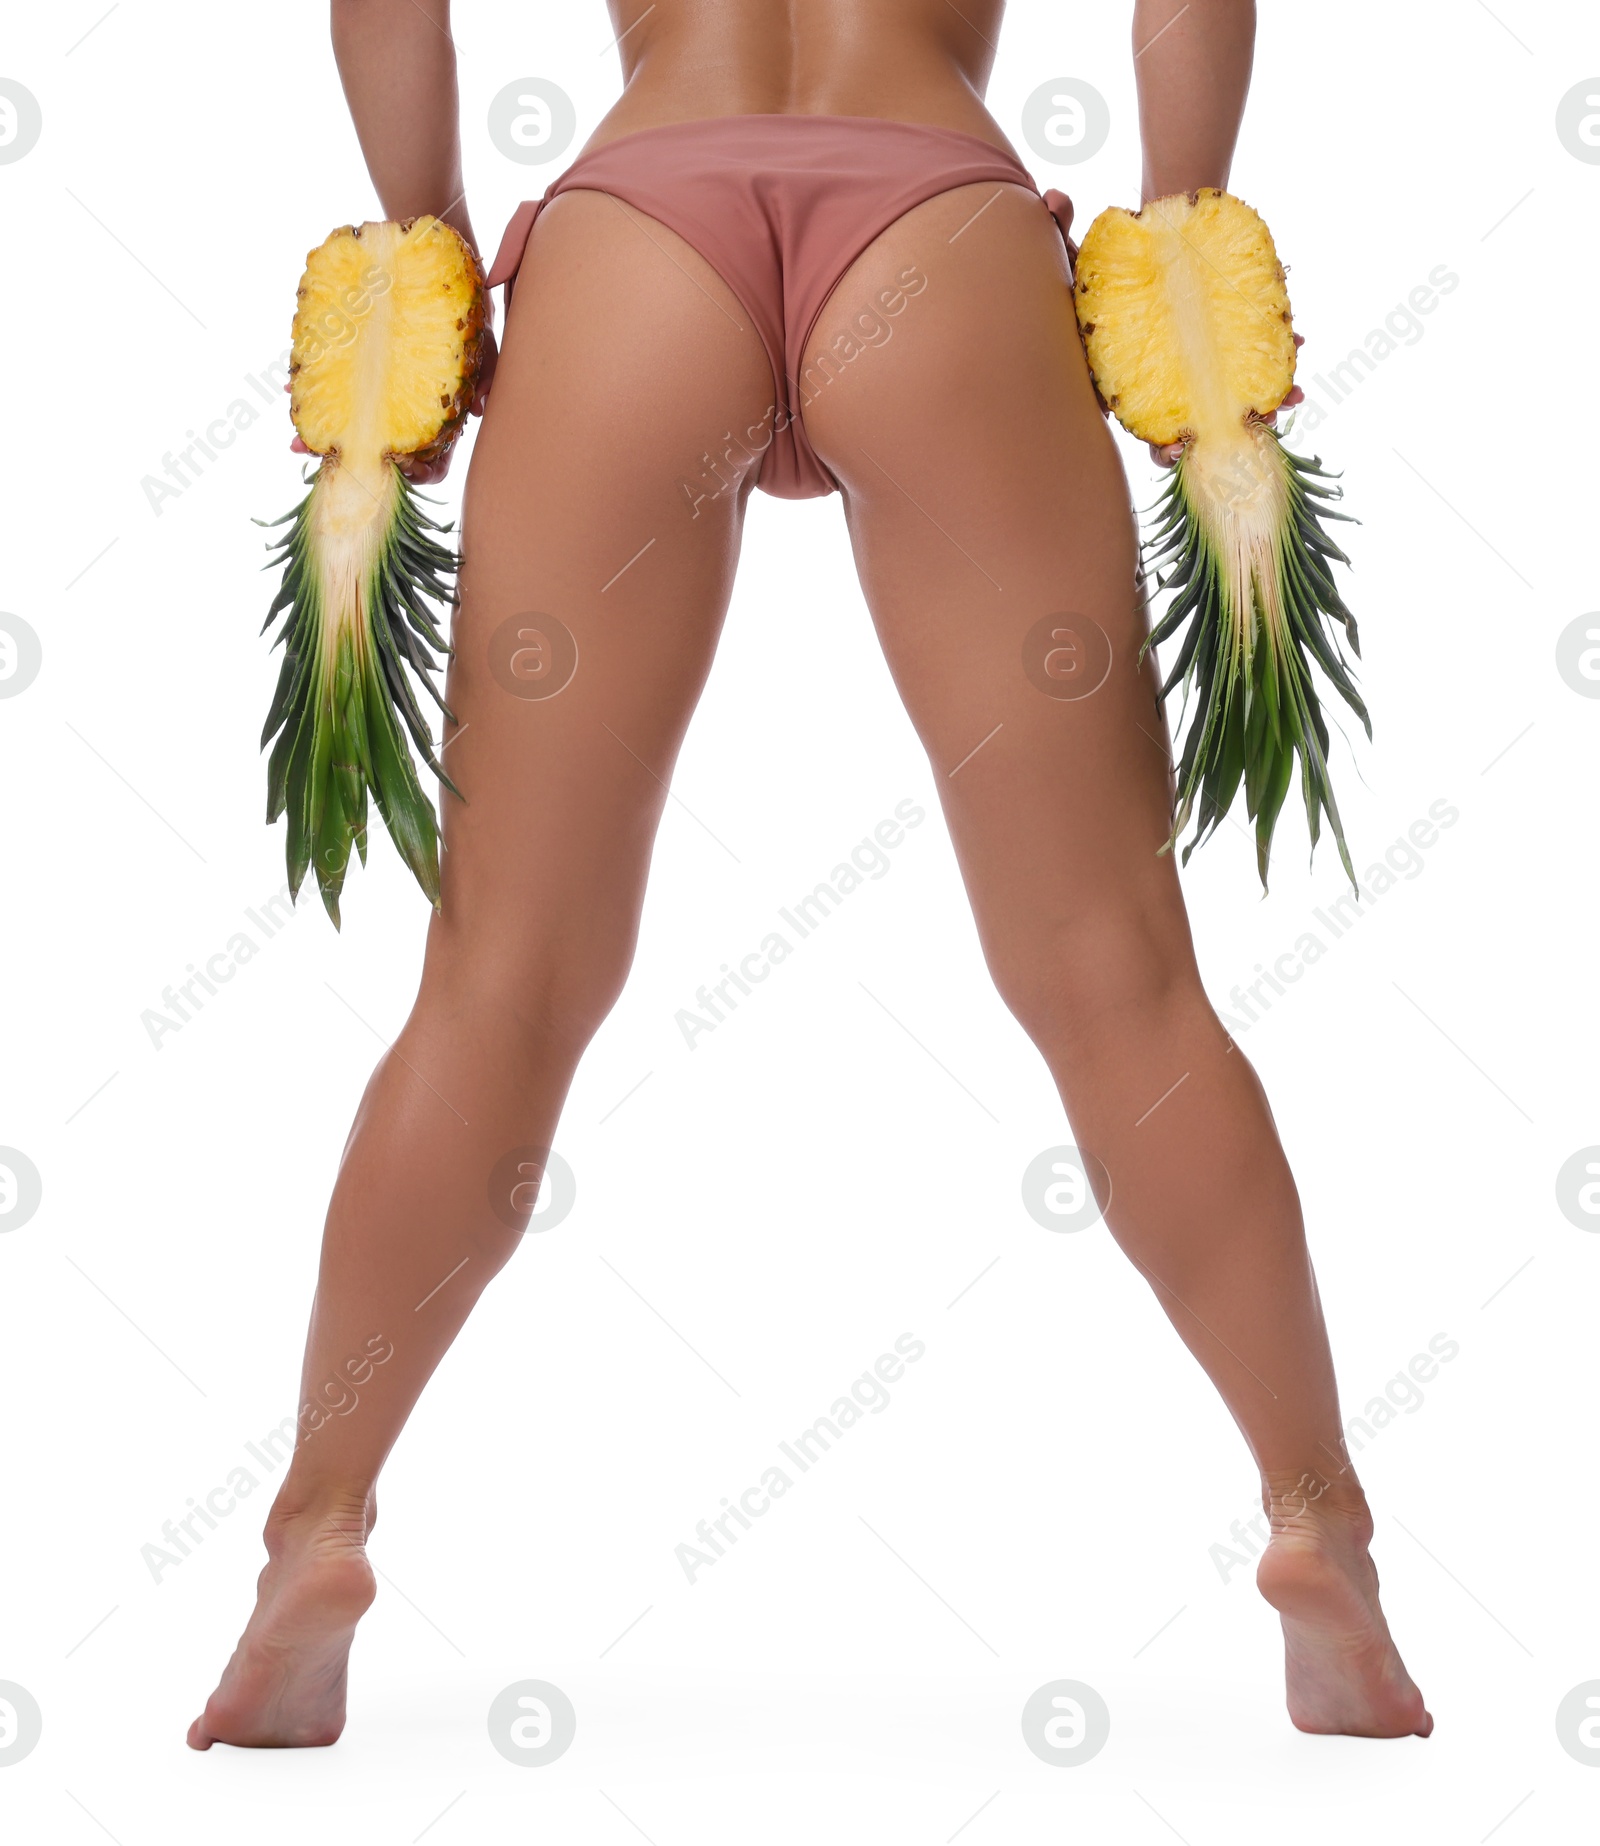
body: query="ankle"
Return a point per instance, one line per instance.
(1311, 1505)
(320, 1516)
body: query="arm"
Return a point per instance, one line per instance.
(1192, 66)
(397, 63)
(1192, 63)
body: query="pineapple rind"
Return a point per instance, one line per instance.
(356, 615)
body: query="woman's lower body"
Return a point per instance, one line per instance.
(983, 494)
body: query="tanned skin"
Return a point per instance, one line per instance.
(980, 412)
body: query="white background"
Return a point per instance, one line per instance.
(809, 1182)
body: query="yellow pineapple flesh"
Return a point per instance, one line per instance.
(1185, 312)
(387, 336)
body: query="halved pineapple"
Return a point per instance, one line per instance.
(1187, 327)
(388, 339)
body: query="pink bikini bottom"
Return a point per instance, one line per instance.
(780, 206)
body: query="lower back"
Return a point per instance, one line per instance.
(910, 60)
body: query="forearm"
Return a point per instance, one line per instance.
(398, 66)
(1192, 64)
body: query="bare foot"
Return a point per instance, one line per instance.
(1344, 1673)
(285, 1685)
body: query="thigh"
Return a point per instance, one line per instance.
(997, 550)
(591, 532)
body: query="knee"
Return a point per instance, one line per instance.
(533, 1000)
(1080, 983)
